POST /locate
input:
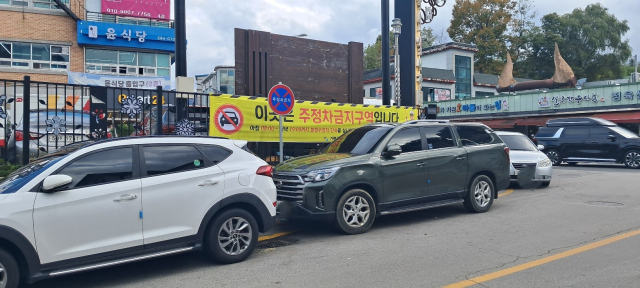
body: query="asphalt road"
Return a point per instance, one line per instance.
(582, 231)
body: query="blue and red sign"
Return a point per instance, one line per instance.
(281, 99)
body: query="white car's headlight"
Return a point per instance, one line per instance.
(545, 163)
(321, 175)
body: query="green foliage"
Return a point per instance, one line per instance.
(373, 52)
(590, 40)
(485, 24)
(7, 168)
(124, 130)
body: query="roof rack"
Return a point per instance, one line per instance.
(579, 121)
(427, 121)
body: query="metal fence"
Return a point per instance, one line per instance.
(61, 114)
(107, 18)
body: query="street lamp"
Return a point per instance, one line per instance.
(396, 26)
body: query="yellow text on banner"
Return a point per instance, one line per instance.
(251, 119)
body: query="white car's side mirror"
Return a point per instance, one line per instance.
(55, 182)
(540, 147)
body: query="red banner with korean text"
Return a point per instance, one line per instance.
(250, 118)
(153, 9)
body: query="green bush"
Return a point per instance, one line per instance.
(7, 168)
(124, 130)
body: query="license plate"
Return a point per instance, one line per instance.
(66, 138)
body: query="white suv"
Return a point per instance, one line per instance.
(93, 205)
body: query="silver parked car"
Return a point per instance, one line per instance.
(524, 153)
(50, 130)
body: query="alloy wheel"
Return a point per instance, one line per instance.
(482, 193)
(632, 159)
(553, 156)
(356, 211)
(234, 236)
(3, 277)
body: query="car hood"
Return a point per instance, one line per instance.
(319, 161)
(526, 156)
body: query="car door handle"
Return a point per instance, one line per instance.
(208, 183)
(461, 158)
(125, 197)
(421, 164)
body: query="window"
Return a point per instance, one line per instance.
(34, 56)
(172, 159)
(463, 77)
(547, 132)
(113, 62)
(408, 139)
(217, 154)
(484, 94)
(359, 141)
(473, 135)
(439, 137)
(39, 4)
(576, 133)
(600, 133)
(518, 143)
(101, 168)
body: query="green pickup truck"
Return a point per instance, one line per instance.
(388, 168)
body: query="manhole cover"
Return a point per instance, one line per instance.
(604, 203)
(276, 243)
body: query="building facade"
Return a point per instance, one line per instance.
(447, 73)
(38, 39)
(80, 44)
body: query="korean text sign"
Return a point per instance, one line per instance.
(154, 9)
(125, 35)
(249, 118)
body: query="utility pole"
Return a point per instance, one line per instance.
(181, 38)
(386, 75)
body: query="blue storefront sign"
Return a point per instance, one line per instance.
(122, 35)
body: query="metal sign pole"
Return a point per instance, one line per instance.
(281, 142)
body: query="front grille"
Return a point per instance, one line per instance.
(290, 187)
(519, 166)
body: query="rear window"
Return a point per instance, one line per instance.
(474, 135)
(547, 132)
(215, 153)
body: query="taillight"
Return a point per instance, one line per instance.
(266, 170)
(32, 136)
(506, 151)
(19, 136)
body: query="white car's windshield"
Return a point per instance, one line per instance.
(518, 143)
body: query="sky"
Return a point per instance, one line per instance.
(210, 24)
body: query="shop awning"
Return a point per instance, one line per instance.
(621, 117)
(540, 121)
(498, 124)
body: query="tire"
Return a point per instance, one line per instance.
(554, 156)
(240, 243)
(355, 212)
(545, 184)
(481, 195)
(632, 159)
(9, 270)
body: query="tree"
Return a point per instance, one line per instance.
(373, 52)
(590, 40)
(520, 28)
(483, 23)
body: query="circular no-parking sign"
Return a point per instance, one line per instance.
(228, 119)
(281, 99)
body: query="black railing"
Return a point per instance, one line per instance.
(107, 18)
(62, 114)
